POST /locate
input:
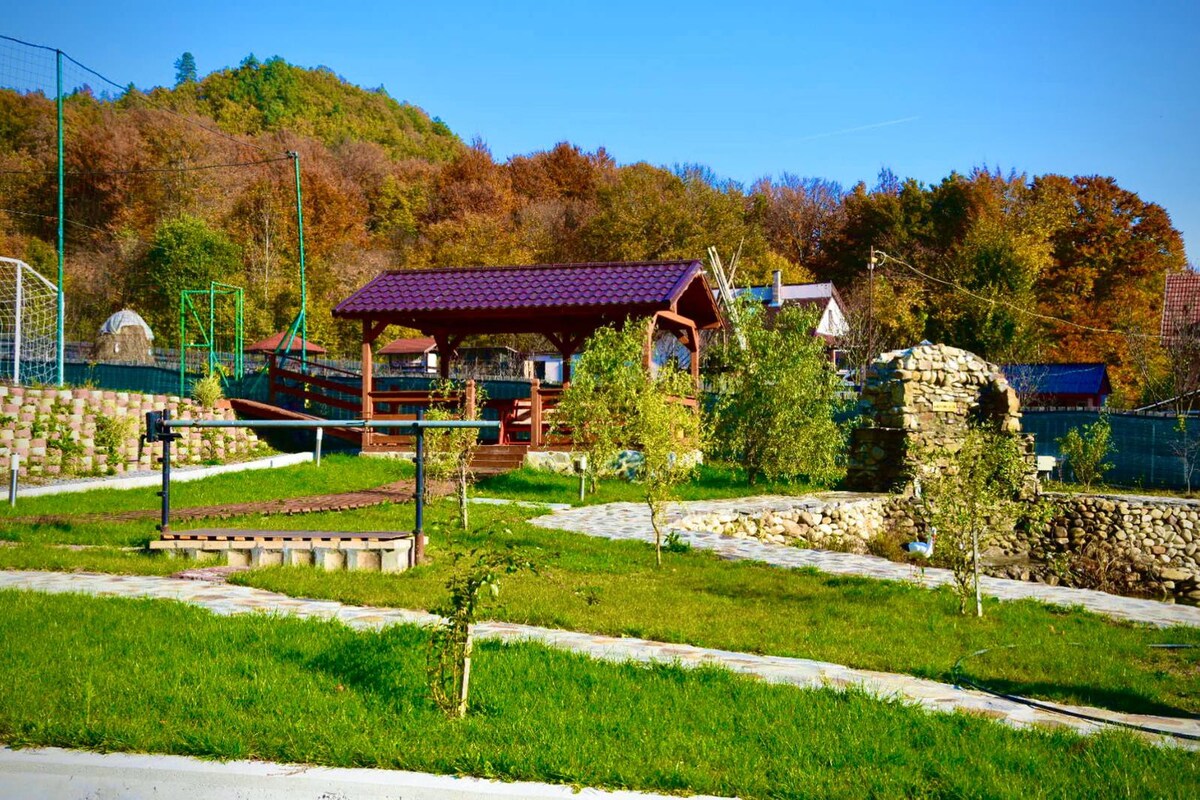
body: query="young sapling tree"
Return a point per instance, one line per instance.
(475, 581)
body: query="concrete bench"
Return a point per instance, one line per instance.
(372, 551)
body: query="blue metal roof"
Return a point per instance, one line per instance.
(1058, 378)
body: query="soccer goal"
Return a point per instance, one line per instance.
(28, 324)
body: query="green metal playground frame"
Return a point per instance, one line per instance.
(207, 330)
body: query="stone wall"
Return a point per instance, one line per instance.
(1117, 543)
(1149, 541)
(77, 432)
(923, 400)
(846, 525)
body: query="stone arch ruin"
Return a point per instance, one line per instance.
(926, 398)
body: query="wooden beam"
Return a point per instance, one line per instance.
(371, 332)
(367, 376)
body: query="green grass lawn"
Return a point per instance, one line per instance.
(712, 482)
(602, 586)
(157, 676)
(337, 473)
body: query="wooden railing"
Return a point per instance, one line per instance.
(388, 404)
(307, 388)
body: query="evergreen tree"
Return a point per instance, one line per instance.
(185, 69)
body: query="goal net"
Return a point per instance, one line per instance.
(28, 317)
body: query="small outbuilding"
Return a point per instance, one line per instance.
(274, 343)
(1080, 385)
(124, 338)
(412, 354)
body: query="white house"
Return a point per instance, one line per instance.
(821, 296)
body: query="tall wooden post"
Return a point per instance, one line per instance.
(469, 399)
(367, 381)
(694, 348)
(535, 414)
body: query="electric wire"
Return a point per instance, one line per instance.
(131, 88)
(1010, 305)
(146, 170)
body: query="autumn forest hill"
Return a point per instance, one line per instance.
(387, 186)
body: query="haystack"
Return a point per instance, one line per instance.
(124, 337)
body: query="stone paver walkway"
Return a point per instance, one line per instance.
(398, 492)
(632, 521)
(228, 600)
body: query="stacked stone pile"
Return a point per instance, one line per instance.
(840, 525)
(71, 432)
(920, 401)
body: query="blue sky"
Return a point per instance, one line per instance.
(835, 90)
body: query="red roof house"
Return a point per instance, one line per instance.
(412, 354)
(273, 344)
(1181, 304)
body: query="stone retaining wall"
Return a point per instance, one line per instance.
(1158, 538)
(1119, 543)
(843, 525)
(75, 432)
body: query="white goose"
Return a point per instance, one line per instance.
(924, 549)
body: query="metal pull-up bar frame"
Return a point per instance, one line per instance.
(160, 428)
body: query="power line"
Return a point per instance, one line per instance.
(145, 170)
(70, 221)
(128, 88)
(1013, 306)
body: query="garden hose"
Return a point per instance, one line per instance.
(961, 680)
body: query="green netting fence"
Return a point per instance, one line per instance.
(1148, 448)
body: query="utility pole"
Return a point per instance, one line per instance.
(60, 346)
(870, 344)
(295, 156)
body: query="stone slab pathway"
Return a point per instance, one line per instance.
(226, 599)
(632, 521)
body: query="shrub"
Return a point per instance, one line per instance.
(1084, 450)
(776, 410)
(207, 391)
(967, 496)
(111, 434)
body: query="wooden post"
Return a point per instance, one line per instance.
(367, 381)
(648, 350)
(469, 399)
(694, 347)
(535, 414)
(271, 378)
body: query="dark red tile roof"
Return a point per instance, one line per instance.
(413, 346)
(1181, 302)
(594, 286)
(273, 343)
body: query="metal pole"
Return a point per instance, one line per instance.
(212, 327)
(183, 299)
(60, 349)
(17, 326)
(166, 436)
(15, 467)
(303, 281)
(317, 449)
(419, 532)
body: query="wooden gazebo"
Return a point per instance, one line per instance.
(565, 303)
